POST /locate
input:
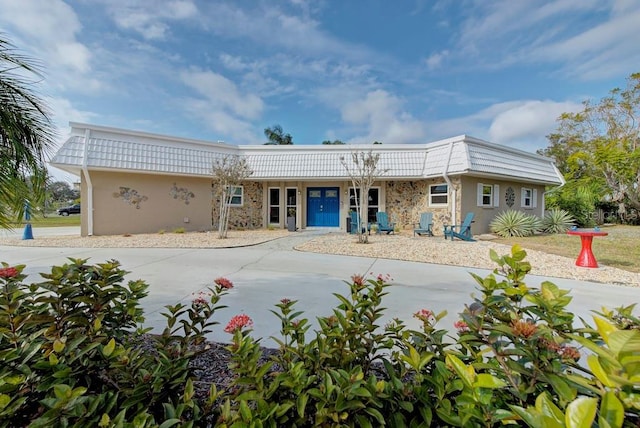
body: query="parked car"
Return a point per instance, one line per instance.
(73, 209)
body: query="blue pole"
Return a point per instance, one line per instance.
(28, 233)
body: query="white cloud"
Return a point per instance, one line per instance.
(605, 50)
(240, 131)
(222, 106)
(49, 28)
(528, 121)
(523, 124)
(222, 94)
(502, 33)
(150, 19)
(270, 26)
(234, 62)
(435, 60)
(381, 117)
(64, 112)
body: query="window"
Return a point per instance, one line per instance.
(528, 197)
(292, 201)
(438, 194)
(373, 203)
(237, 196)
(488, 195)
(274, 205)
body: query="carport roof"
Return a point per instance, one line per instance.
(112, 149)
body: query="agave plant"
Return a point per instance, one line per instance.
(557, 221)
(515, 223)
(535, 224)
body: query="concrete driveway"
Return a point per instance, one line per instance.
(265, 273)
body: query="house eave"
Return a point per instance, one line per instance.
(505, 177)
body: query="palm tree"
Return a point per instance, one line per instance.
(26, 134)
(276, 136)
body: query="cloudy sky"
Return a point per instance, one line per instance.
(393, 71)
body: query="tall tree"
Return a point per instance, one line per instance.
(600, 145)
(61, 192)
(334, 142)
(276, 136)
(26, 134)
(363, 170)
(228, 172)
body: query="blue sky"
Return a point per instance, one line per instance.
(406, 71)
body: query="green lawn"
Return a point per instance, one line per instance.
(620, 249)
(53, 220)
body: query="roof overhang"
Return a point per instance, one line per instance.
(100, 148)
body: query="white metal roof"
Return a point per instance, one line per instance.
(133, 151)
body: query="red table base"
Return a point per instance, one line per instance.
(586, 257)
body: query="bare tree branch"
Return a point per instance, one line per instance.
(363, 170)
(229, 172)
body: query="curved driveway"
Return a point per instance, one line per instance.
(265, 273)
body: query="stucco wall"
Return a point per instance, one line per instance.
(484, 215)
(143, 203)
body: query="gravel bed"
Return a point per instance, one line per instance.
(207, 239)
(460, 253)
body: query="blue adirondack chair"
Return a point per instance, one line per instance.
(383, 223)
(460, 231)
(355, 222)
(425, 225)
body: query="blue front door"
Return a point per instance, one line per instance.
(323, 206)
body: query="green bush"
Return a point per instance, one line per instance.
(72, 357)
(515, 223)
(557, 221)
(579, 201)
(70, 352)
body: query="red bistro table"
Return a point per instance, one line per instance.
(586, 257)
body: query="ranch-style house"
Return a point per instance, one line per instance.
(137, 182)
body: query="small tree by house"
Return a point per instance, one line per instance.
(228, 172)
(363, 170)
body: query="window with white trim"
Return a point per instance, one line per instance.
(274, 205)
(488, 195)
(438, 195)
(237, 196)
(373, 203)
(292, 201)
(528, 197)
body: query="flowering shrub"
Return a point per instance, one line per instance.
(8, 272)
(71, 357)
(238, 322)
(223, 283)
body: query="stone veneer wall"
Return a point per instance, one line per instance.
(248, 216)
(406, 200)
